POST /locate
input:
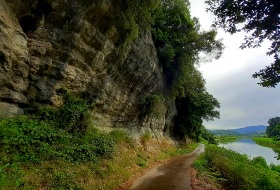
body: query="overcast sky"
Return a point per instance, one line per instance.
(229, 79)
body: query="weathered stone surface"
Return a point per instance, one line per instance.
(61, 47)
(14, 68)
(12, 96)
(9, 110)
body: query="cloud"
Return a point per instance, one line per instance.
(243, 102)
(229, 79)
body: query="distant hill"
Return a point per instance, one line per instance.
(223, 132)
(249, 130)
(259, 129)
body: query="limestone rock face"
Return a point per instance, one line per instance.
(49, 44)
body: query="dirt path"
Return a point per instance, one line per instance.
(174, 175)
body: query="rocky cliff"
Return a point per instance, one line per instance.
(46, 45)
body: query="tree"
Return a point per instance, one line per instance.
(192, 109)
(261, 20)
(273, 130)
(179, 41)
(176, 34)
(206, 135)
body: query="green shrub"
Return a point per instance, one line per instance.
(259, 161)
(240, 172)
(10, 176)
(70, 116)
(200, 163)
(129, 17)
(275, 168)
(25, 139)
(268, 142)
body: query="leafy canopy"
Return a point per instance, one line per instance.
(178, 38)
(192, 109)
(179, 41)
(273, 130)
(261, 20)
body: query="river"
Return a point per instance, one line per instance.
(250, 148)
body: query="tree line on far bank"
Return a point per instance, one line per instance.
(273, 129)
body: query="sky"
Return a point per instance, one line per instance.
(229, 79)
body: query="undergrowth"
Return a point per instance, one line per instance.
(268, 142)
(49, 134)
(236, 171)
(56, 148)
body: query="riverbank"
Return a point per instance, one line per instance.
(267, 142)
(226, 139)
(229, 169)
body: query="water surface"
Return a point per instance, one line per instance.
(249, 147)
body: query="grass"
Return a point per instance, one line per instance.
(58, 148)
(236, 171)
(227, 139)
(105, 173)
(268, 142)
(55, 148)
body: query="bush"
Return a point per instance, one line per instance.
(200, 163)
(69, 116)
(240, 172)
(60, 133)
(129, 17)
(259, 161)
(275, 168)
(25, 139)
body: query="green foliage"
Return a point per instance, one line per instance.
(275, 168)
(70, 116)
(179, 41)
(25, 139)
(268, 142)
(90, 147)
(273, 129)
(134, 16)
(129, 17)
(64, 180)
(60, 134)
(121, 136)
(238, 170)
(141, 160)
(260, 161)
(227, 139)
(205, 134)
(260, 19)
(192, 110)
(11, 179)
(151, 105)
(200, 163)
